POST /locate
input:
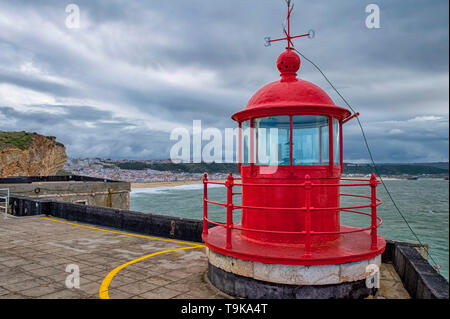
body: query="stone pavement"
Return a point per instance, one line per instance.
(34, 254)
(391, 286)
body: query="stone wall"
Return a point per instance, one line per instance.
(419, 278)
(73, 189)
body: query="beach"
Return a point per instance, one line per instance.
(164, 184)
(173, 183)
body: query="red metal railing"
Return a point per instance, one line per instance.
(308, 186)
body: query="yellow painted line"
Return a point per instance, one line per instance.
(119, 232)
(103, 291)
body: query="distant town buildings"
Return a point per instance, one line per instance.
(110, 169)
(100, 168)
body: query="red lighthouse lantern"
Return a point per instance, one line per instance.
(290, 242)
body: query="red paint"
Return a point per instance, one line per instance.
(319, 247)
(292, 215)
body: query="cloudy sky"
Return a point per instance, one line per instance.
(134, 70)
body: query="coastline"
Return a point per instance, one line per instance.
(164, 184)
(181, 183)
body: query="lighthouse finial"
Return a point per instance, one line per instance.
(288, 38)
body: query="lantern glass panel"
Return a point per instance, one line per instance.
(245, 143)
(272, 140)
(310, 138)
(336, 143)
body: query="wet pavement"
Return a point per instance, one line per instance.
(36, 252)
(40, 257)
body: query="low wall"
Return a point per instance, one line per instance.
(143, 223)
(40, 179)
(73, 188)
(27, 206)
(419, 278)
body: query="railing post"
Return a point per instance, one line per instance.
(229, 184)
(205, 204)
(7, 203)
(308, 187)
(373, 204)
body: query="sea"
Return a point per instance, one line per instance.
(424, 203)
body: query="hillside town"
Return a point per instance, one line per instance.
(99, 168)
(143, 171)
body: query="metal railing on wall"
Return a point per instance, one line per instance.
(307, 185)
(4, 200)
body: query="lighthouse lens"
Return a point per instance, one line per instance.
(310, 137)
(245, 143)
(336, 142)
(272, 135)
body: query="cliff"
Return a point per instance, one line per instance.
(30, 154)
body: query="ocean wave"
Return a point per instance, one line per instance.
(166, 189)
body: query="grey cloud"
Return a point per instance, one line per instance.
(122, 63)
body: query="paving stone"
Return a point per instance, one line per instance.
(118, 294)
(39, 291)
(6, 257)
(181, 287)
(14, 262)
(64, 294)
(24, 285)
(92, 277)
(3, 292)
(91, 288)
(45, 271)
(30, 266)
(5, 280)
(119, 281)
(160, 293)
(137, 288)
(159, 281)
(174, 275)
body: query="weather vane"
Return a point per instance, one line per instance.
(289, 38)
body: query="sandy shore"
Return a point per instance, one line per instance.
(172, 184)
(164, 184)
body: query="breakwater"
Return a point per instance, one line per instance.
(420, 279)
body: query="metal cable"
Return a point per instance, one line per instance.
(372, 160)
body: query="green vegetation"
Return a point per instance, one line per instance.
(182, 167)
(396, 169)
(21, 140)
(383, 169)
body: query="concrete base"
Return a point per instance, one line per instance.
(244, 287)
(248, 279)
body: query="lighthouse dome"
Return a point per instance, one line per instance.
(289, 94)
(294, 92)
(289, 91)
